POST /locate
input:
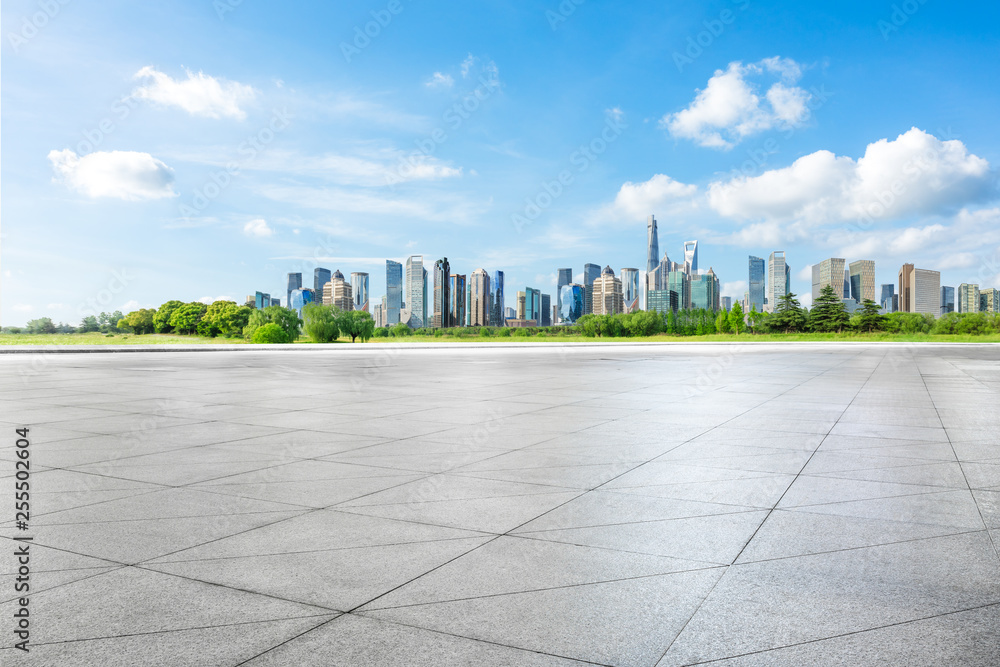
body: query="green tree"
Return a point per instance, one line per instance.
(287, 319)
(185, 318)
(356, 324)
(269, 333)
(590, 325)
(736, 322)
(43, 325)
(829, 314)
(755, 319)
(871, 318)
(788, 315)
(141, 321)
(400, 330)
(89, 324)
(161, 321)
(722, 322)
(321, 322)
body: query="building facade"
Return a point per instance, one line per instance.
(591, 272)
(497, 303)
(441, 319)
(416, 291)
(862, 280)
(919, 290)
(479, 299)
(828, 272)
(989, 300)
(679, 283)
(691, 257)
(705, 291)
(359, 289)
(320, 278)
(533, 305)
(571, 302)
(947, 300)
(393, 291)
(652, 245)
(294, 283)
(968, 298)
(630, 290)
(546, 310)
(565, 277)
(758, 283)
(778, 279)
(338, 293)
(662, 301)
(456, 288)
(608, 298)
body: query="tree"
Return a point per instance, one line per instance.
(89, 324)
(321, 322)
(788, 315)
(287, 319)
(141, 321)
(722, 322)
(185, 318)
(356, 324)
(736, 321)
(400, 330)
(755, 319)
(42, 325)
(871, 318)
(269, 333)
(161, 321)
(829, 314)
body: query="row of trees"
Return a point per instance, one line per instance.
(106, 323)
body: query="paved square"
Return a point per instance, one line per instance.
(794, 504)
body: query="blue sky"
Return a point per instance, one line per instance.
(196, 150)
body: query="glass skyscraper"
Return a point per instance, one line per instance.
(779, 279)
(479, 298)
(691, 256)
(652, 245)
(415, 291)
(591, 272)
(261, 300)
(679, 283)
(441, 319)
(705, 291)
(533, 305)
(546, 310)
(320, 278)
(947, 299)
(300, 297)
(393, 291)
(630, 289)
(359, 285)
(565, 277)
(498, 315)
(758, 281)
(888, 301)
(862, 274)
(571, 301)
(294, 283)
(457, 305)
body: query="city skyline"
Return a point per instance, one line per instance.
(260, 146)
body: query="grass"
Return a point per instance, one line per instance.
(97, 338)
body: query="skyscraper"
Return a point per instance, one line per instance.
(630, 289)
(679, 283)
(457, 306)
(497, 314)
(565, 278)
(691, 256)
(919, 290)
(947, 299)
(591, 272)
(533, 305)
(778, 279)
(320, 278)
(294, 282)
(337, 293)
(479, 298)
(607, 296)
(261, 300)
(521, 301)
(968, 298)
(652, 246)
(828, 272)
(546, 311)
(862, 280)
(705, 291)
(300, 297)
(989, 300)
(415, 291)
(359, 287)
(571, 300)
(757, 284)
(393, 291)
(442, 295)
(888, 300)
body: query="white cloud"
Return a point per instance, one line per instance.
(439, 80)
(730, 107)
(258, 228)
(23, 307)
(659, 195)
(208, 301)
(914, 174)
(129, 306)
(121, 174)
(199, 95)
(734, 289)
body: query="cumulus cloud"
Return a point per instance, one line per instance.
(258, 228)
(208, 301)
(129, 306)
(734, 289)
(120, 174)
(199, 94)
(659, 195)
(914, 174)
(439, 80)
(732, 106)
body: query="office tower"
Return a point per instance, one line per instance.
(533, 305)
(919, 290)
(846, 291)
(497, 315)
(755, 296)
(522, 305)
(888, 293)
(630, 289)
(359, 291)
(608, 298)
(947, 300)
(337, 292)
(276, 301)
(441, 319)
(320, 278)
(300, 297)
(968, 298)
(479, 298)
(726, 302)
(662, 301)
(652, 245)
(679, 283)
(565, 277)
(778, 279)
(691, 257)
(571, 301)
(261, 300)
(379, 314)
(546, 311)
(415, 291)
(251, 301)
(862, 280)
(393, 291)
(989, 300)
(456, 289)
(508, 314)
(828, 272)
(591, 272)
(705, 291)
(294, 282)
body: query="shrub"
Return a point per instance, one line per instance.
(269, 333)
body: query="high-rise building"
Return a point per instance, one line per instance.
(359, 288)
(261, 300)
(652, 245)
(468, 305)
(705, 291)
(828, 272)
(691, 257)
(989, 300)
(726, 302)
(591, 272)
(546, 310)
(778, 279)
(533, 305)
(320, 278)
(608, 298)
(919, 290)
(662, 301)
(337, 292)
(846, 292)
(415, 291)
(679, 283)
(393, 291)
(294, 282)
(758, 281)
(630, 289)
(947, 300)
(571, 300)
(441, 319)
(968, 298)
(456, 287)
(565, 277)
(508, 313)
(497, 318)
(300, 297)
(479, 299)
(275, 301)
(862, 274)
(522, 306)
(888, 300)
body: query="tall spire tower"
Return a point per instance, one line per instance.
(652, 245)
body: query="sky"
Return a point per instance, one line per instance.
(204, 149)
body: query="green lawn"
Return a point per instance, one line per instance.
(95, 338)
